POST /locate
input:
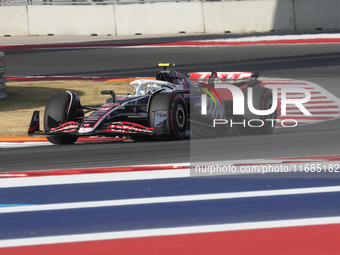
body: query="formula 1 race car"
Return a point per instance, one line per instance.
(173, 106)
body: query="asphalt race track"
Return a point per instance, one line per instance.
(164, 210)
(316, 63)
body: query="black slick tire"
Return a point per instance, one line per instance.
(55, 115)
(177, 115)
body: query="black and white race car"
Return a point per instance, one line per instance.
(169, 107)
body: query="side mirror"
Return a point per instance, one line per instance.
(109, 92)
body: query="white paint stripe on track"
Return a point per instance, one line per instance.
(93, 178)
(304, 121)
(284, 84)
(168, 199)
(323, 98)
(168, 231)
(313, 116)
(333, 110)
(23, 144)
(315, 99)
(313, 107)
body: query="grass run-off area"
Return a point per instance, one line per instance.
(25, 97)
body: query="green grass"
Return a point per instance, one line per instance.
(25, 97)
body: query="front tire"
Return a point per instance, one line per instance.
(56, 114)
(176, 124)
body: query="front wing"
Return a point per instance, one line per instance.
(71, 128)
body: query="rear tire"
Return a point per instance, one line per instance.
(177, 115)
(55, 115)
(262, 100)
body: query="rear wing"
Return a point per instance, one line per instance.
(224, 75)
(236, 78)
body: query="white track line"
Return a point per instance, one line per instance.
(168, 199)
(23, 144)
(305, 121)
(333, 110)
(168, 231)
(314, 105)
(312, 117)
(92, 178)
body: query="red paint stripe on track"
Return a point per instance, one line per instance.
(89, 171)
(322, 239)
(44, 139)
(249, 43)
(64, 46)
(178, 44)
